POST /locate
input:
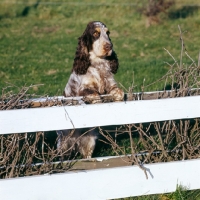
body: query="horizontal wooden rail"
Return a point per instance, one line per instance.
(69, 117)
(105, 183)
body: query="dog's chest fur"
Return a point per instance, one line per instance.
(100, 74)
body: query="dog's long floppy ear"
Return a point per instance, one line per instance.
(113, 61)
(81, 60)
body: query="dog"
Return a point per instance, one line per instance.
(92, 75)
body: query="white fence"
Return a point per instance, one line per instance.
(102, 183)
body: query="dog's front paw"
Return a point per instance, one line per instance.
(90, 95)
(92, 98)
(117, 94)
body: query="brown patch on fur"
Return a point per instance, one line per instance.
(88, 91)
(113, 61)
(98, 30)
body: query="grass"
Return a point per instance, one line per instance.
(38, 42)
(181, 193)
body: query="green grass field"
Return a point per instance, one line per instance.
(38, 39)
(181, 193)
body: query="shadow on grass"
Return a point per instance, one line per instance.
(183, 12)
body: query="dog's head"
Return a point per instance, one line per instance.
(95, 39)
(101, 44)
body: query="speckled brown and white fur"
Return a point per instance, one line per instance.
(95, 64)
(79, 140)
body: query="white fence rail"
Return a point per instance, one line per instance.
(102, 183)
(69, 117)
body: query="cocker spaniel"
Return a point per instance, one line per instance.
(95, 64)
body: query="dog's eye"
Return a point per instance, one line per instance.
(96, 34)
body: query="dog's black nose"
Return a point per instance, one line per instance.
(108, 46)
